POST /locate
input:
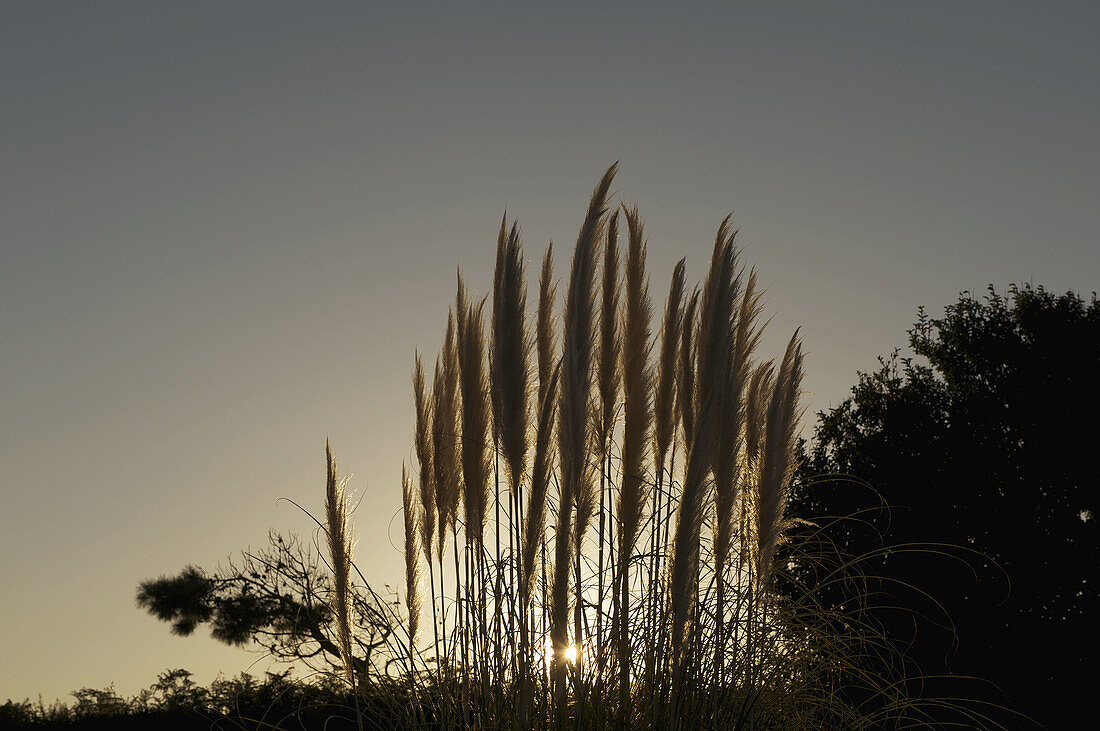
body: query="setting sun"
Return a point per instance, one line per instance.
(548, 652)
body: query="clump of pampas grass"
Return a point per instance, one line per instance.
(623, 499)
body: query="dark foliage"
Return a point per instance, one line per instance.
(184, 601)
(984, 457)
(277, 701)
(274, 599)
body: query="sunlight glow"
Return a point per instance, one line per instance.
(570, 653)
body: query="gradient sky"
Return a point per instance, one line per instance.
(224, 228)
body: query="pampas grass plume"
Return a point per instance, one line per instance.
(338, 529)
(412, 554)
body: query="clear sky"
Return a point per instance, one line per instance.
(224, 228)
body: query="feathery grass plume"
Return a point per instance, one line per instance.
(338, 528)
(608, 383)
(545, 332)
(423, 445)
(509, 375)
(428, 492)
(686, 367)
(535, 525)
(476, 455)
(637, 425)
(756, 400)
(731, 422)
(637, 391)
(609, 377)
(713, 345)
(757, 396)
(716, 316)
(438, 460)
(511, 347)
(664, 399)
(445, 458)
(728, 457)
(748, 335)
(664, 431)
(461, 306)
(778, 458)
(714, 355)
(412, 554)
(498, 272)
(573, 413)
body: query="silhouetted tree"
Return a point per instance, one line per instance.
(99, 703)
(275, 598)
(986, 448)
(174, 691)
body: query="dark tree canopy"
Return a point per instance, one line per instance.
(274, 599)
(985, 446)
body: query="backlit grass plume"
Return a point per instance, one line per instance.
(424, 453)
(511, 347)
(412, 553)
(664, 399)
(777, 460)
(576, 501)
(545, 330)
(610, 374)
(475, 444)
(712, 359)
(445, 437)
(637, 429)
(686, 367)
(338, 530)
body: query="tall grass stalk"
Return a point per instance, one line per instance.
(609, 382)
(576, 502)
(338, 533)
(637, 430)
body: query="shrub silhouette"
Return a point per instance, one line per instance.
(276, 598)
(985, 446)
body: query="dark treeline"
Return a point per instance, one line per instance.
(175, 701)
(966, 476)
